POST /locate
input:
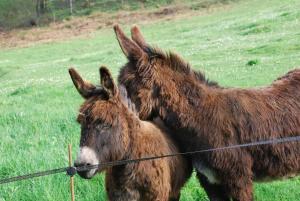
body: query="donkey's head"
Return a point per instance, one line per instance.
(151, 72)
(100, 117)
(138, 75)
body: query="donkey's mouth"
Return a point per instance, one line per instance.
(84, 171)
(87, 174)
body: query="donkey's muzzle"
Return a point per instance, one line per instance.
(84, 171)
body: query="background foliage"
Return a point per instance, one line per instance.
(25, 13)
(15, 13)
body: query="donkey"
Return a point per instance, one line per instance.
(206, 115)
(111, 130)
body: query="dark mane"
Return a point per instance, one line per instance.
(175, 62)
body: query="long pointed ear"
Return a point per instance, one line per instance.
(108, 82)
(85, 88)
(137, 37)
(129, 47)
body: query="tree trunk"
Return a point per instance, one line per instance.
(41, 7)
(37, 8)
(71, 6)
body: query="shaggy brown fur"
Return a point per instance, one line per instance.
(112, 129)
(208, 116)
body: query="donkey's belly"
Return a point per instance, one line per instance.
(209, 173)
(276, 162)
(269, 178)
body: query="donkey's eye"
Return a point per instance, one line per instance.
(81, 118)
(102, 125)
(105, 126)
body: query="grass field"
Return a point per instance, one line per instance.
(247, 44)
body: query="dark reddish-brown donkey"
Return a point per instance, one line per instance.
(206, 115)
(111, 130)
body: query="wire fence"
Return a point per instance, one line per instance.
(71, 170)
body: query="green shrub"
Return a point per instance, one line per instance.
(252, 62)
(17, 13)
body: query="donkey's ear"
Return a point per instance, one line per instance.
(107, 81)
(137, 37)
(129, 47)
(85, 88)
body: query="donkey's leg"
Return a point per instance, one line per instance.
(117, 191)
(241, 189)
(215, 192)
(124, 195)
(177, 198)
(234, 168)
(159, 194)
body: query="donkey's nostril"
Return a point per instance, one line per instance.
(82, 164)
(77, 164)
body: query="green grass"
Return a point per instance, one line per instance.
(38, 103)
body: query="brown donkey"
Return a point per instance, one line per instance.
(206, 115)
(111, 130)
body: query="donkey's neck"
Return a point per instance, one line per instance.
(176, 108)
(130, 131)
(139, 133)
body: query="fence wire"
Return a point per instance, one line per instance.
(72, 170)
